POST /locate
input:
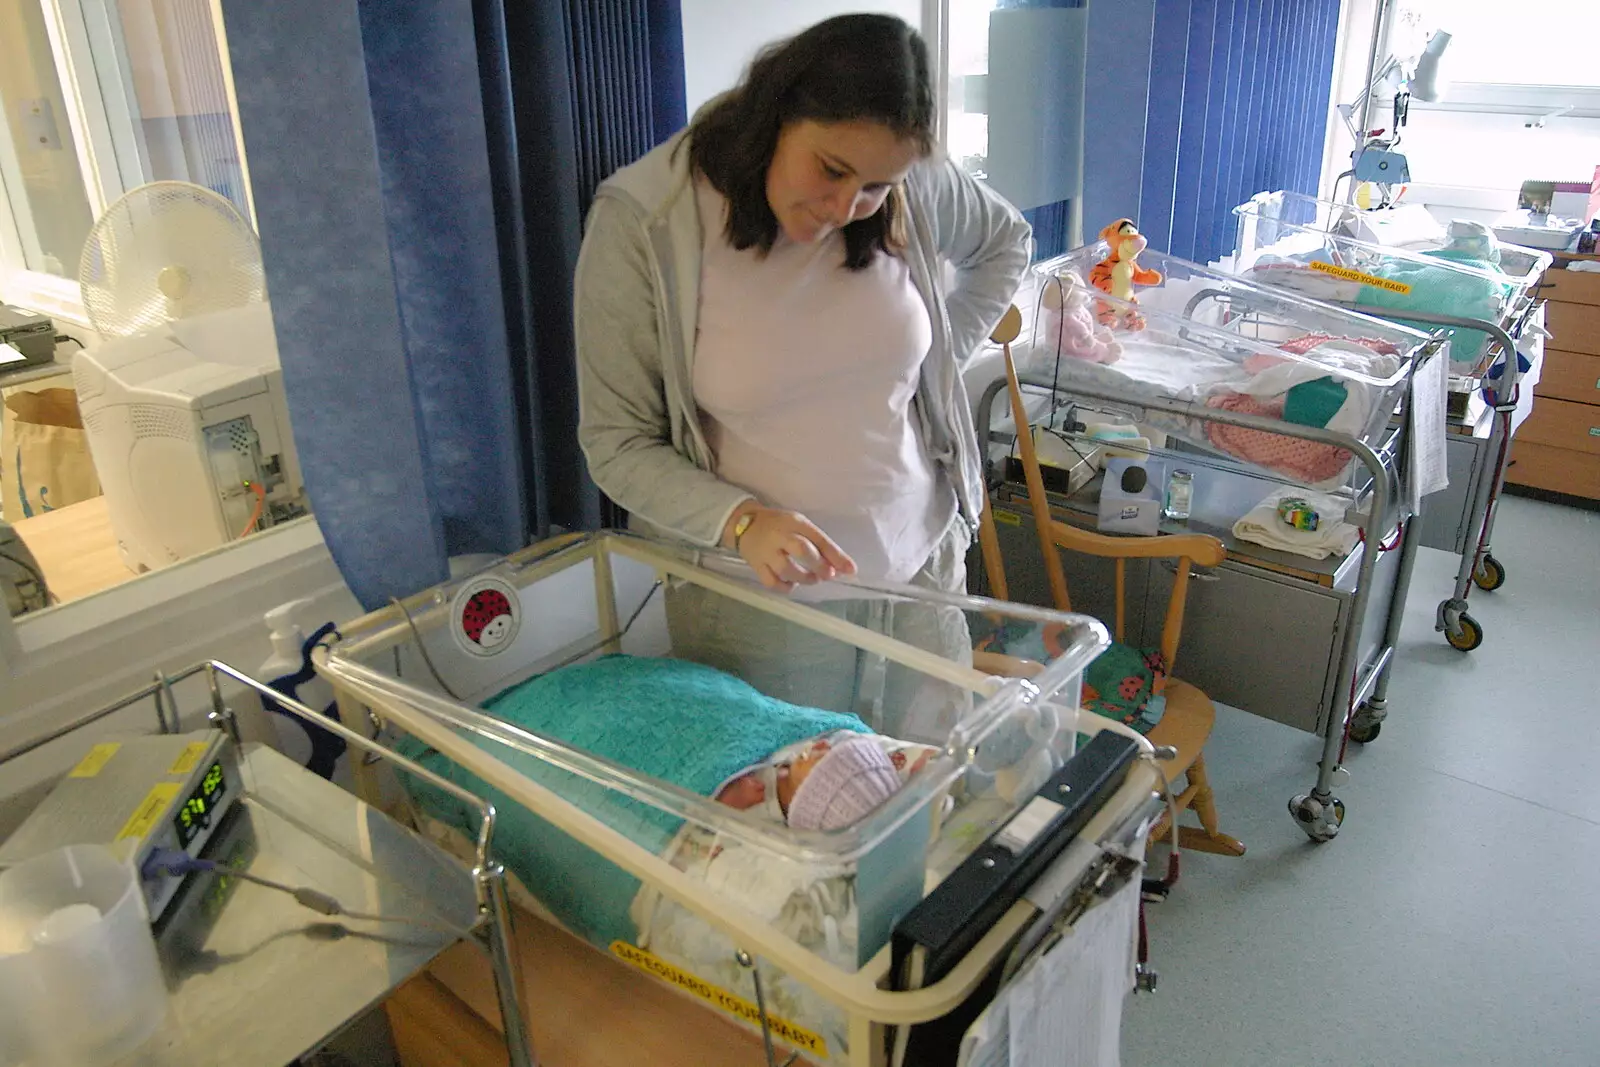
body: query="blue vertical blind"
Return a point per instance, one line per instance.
(627, 82)
(590, 86)
(1249, 113)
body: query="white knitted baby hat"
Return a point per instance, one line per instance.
(851, 780)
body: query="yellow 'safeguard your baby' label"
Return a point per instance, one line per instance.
(1367, 279)
(795, 1036)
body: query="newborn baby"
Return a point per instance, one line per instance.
(827, 782)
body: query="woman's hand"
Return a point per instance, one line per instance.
(786, 549)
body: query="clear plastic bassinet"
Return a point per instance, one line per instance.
(1326, 251)
(1200, 342)
(679, 903)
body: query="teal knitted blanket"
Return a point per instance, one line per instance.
(1440, 291)
(671, 719)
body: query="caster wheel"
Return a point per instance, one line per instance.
(1467, 635)
(1320, 819)
(1364, 732)
(1490, 575)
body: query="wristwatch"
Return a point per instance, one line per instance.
(739, 528)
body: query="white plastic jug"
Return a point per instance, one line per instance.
(80, 981)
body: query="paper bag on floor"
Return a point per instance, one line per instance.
(46, 459)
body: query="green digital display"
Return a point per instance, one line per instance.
(197, 810)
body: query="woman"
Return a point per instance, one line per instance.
(768, 356)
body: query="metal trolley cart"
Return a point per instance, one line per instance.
(1189, 341)
(255, 977)
(1317, 248)
(1005, 824)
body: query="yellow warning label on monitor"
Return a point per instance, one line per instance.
(788, 1032)
(1367, 279)
(96, 760)
(148, 813)
(189, 758)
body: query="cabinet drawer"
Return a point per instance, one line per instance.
(1556, 470)
(1563, 424)
(1570, 376)
(1571, 286)
(1446, 514)
(1574, 327)
(1257, 642)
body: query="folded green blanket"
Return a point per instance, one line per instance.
(671, 719)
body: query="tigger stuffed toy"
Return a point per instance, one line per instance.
(1119, 272)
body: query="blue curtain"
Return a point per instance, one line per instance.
(1238, 103)
(589, 86)
(420, 172)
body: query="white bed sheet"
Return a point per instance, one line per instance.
(1149, 368)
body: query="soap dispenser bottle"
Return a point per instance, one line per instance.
(289, 670)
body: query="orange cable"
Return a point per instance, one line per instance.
(261, 504)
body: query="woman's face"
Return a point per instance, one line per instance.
(824, 176)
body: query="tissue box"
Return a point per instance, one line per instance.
(1131, 496)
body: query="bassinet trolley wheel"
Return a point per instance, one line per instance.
(1363, 730)
(1466, 634)
(1319, 817)
(1490, 575)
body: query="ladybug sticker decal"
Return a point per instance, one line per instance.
(485, 616)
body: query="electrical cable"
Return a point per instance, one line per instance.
(261, 504)
(427, 660)
(598, 645)
(173, 862)
(66, 337)
(416, 636)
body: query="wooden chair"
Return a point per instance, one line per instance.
(1189, 716)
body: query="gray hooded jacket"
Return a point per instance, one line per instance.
(637, 303)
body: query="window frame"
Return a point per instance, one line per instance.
(1508, 98)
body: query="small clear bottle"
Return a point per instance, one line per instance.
(1180, 495)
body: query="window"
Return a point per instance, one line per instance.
(1538, 43)
(40, 161)
(967, 119)
(98, 97)
(1520, 99)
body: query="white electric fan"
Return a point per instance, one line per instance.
(183, 401)
(168, 251)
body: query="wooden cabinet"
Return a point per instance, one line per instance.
(1558, 448)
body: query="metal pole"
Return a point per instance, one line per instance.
(221, 713)
(1379, 17)
(745, 960)
(498, 940)
(1372, 528)
(1378, 703)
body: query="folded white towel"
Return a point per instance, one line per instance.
(1333, 536)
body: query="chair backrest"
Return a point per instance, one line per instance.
(1055, 536)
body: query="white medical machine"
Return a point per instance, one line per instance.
(183, 401)
(190, 434)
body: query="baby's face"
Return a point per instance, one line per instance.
(748, 791)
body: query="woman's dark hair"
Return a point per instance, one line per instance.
(850, 68)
